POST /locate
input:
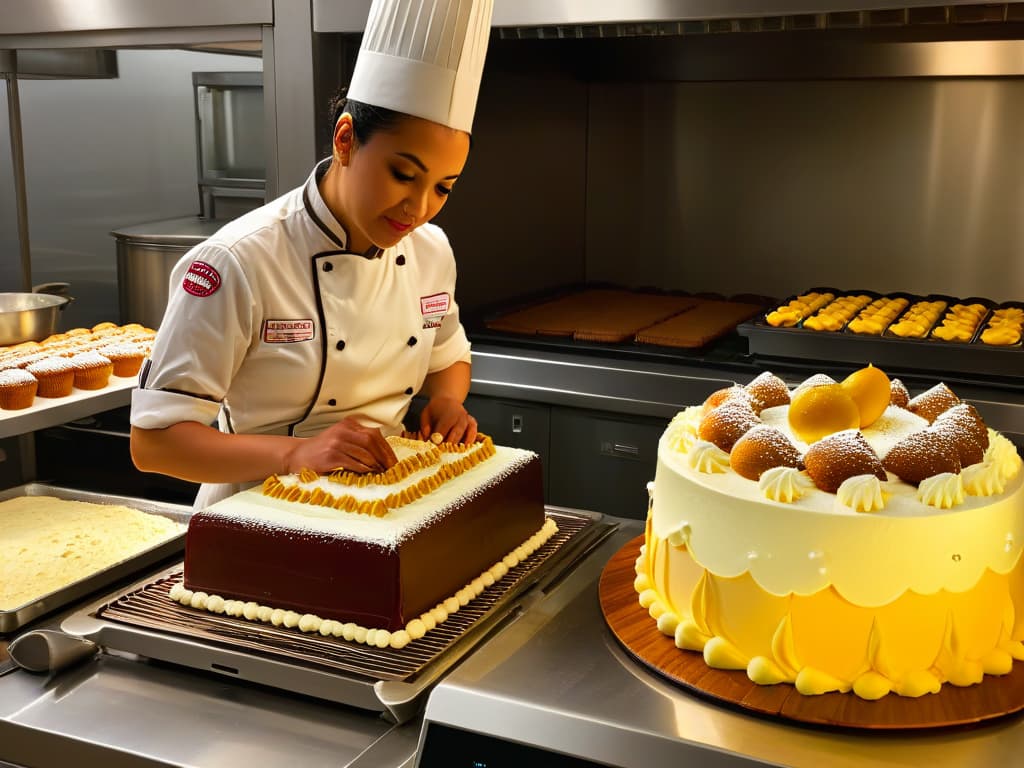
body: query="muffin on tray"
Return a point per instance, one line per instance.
(17, 389)
(92, 370)
(56, 376)
(126, 356)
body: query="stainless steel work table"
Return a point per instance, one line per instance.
(554, 678)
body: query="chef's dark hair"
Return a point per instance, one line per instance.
(366, 118)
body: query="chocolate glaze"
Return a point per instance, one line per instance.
(357, 581)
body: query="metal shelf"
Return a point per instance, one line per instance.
(49, 412)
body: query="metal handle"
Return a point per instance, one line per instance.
(47, 650)
(609, 448)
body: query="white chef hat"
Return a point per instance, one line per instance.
(424, 58)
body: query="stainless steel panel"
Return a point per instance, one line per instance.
(516, 423)
(18, 17)
(332, 16)
(230, 39)
(602, 463)
(229, 128)
(798, 56)
(63, 63)
(288, 90)
(12, 619)
(104, 714)
(886, 185)
(583, 381)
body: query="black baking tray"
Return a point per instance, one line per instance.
(926, 354)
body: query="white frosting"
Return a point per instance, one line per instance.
(943, 491)
(811, 542)
(380, 638)
(892, 426)
(707, 457)
(253, 507)
(861, 493)
(784, 484)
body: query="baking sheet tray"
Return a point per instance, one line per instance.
(143, 620)
(927, 354)
(15, 618)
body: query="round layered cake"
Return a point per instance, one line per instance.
(841, 536)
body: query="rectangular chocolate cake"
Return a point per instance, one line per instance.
(376, 551)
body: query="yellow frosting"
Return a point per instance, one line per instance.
(881, 588)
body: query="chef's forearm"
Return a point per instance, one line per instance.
(452, 382)
(201, 454)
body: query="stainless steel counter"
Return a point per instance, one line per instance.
(559, 680)
(554, 678)
(117, 711)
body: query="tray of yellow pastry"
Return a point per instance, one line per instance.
(972, 335)
(60, 544)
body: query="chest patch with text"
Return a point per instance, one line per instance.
(288, 331)
(434, 308)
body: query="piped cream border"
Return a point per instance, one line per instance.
(381, 638)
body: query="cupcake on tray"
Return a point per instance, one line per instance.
(17, 389)
(92, 370)
(126, 356)
(56, 376)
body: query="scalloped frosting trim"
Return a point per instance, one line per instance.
(879, 677)
(352, 632)
(471, 456)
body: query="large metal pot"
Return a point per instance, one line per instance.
(146, 254)
(29, 316)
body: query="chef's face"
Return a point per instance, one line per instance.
(397, 180)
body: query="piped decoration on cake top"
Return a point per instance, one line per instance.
(423, 468)
(931, 439)
(784, 484)
(861, 493)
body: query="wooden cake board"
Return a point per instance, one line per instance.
(995, 696)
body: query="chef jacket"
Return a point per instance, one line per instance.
(273, 326)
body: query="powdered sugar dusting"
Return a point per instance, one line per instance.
(252, 508)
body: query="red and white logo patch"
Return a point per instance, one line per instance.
(201, 279)
(288, 331)
(434, 308)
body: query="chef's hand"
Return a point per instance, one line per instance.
(447, 416)
(344, 445)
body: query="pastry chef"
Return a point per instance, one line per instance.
(297, 335)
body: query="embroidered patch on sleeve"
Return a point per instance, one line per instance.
(201, 279)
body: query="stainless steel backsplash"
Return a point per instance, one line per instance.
(766, 187)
